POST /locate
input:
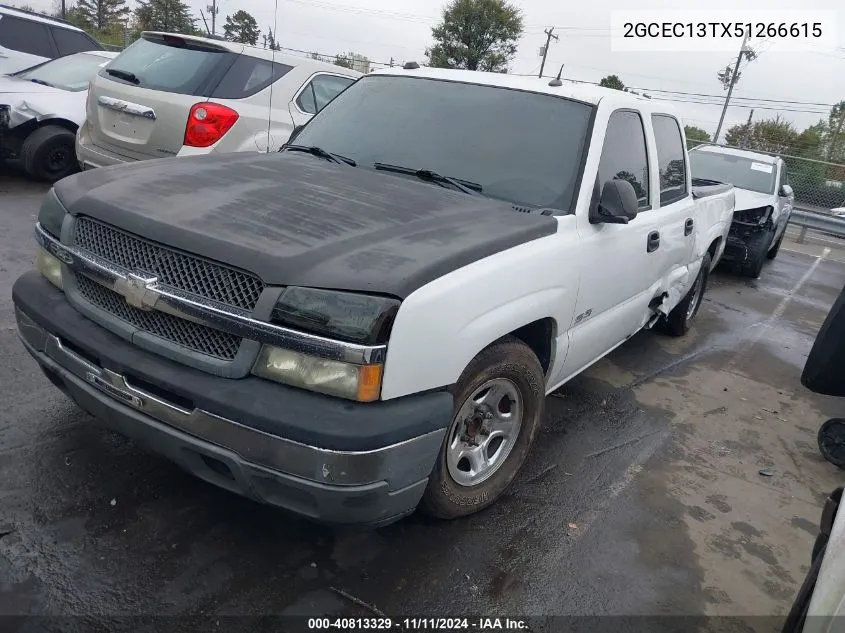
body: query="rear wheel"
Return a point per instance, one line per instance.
(499, 401)
(679, 319)
(49, 153)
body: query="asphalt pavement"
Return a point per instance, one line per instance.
(643, 495)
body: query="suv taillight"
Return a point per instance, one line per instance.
(207, 123)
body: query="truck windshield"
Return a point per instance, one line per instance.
(741, 172)
(522, 147)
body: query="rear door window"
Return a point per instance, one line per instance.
(25, 36)
(248, 76)
(670, 159)
(320, 91)
(170, 64)
(70, 42)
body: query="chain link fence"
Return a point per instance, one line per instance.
(819, 185)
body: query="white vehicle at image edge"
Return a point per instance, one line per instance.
(179, 95)
(28, 38)
(42, 107)
(764, 201)
(372, 318)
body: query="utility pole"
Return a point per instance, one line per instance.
(731, 87)
(212, 9)
(747, 130)
(549, 37)
(63, 10)
(391, 62)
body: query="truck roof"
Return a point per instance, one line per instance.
(732, 151)
(587, 93)
(262, 53)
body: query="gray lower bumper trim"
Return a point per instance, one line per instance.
(399, 464)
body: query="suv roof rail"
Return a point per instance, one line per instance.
(40, 15)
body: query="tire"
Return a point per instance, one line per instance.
(679, 319)
(49, 153)
(831, 440)
(773, 251)
(757, 250)
(497, 379)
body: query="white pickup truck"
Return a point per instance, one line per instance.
(370, 320)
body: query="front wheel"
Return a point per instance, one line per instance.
(499, 401)
(773, 251)
(679, 319)
(758, 247)
(49, 153)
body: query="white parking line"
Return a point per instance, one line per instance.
(779, 309)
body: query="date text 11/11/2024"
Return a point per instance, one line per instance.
(482, 625)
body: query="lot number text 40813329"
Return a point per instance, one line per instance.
(480, 625)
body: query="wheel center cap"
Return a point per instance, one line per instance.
(477, 425)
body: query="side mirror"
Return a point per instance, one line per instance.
(785, 191)
(618, 203)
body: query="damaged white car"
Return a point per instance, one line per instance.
(41, 109)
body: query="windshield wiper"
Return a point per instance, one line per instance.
(472, 188)
(42, 82)
(123, 74)
(320, 152)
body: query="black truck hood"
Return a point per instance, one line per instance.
(294, 219)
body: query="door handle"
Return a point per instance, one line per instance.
(653, 242)
(688, 226)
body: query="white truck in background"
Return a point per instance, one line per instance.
(373, 316)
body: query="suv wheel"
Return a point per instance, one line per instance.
(758, 247)
(49, 153)
(499, 402)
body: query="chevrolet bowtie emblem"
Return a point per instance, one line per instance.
(138, 291)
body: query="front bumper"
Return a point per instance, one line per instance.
(366, 464)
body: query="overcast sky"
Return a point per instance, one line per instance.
(401, 29)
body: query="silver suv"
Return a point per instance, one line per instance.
(177, 95)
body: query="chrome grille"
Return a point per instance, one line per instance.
(196, 337)
(173, 268)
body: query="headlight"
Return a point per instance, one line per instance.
(354, 382)
(753, 216)
(344, 316)
(51, 214)
(50, 267)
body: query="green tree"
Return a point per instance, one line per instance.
(102, 14)
(242, 28)
(770, 135)
(164, 15)
(476, 35)
(612, 81)
(344, 61)
(835, 137)
(270, 41)
(696, 135)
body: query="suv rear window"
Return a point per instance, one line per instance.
(247, 76)
(171, 64)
